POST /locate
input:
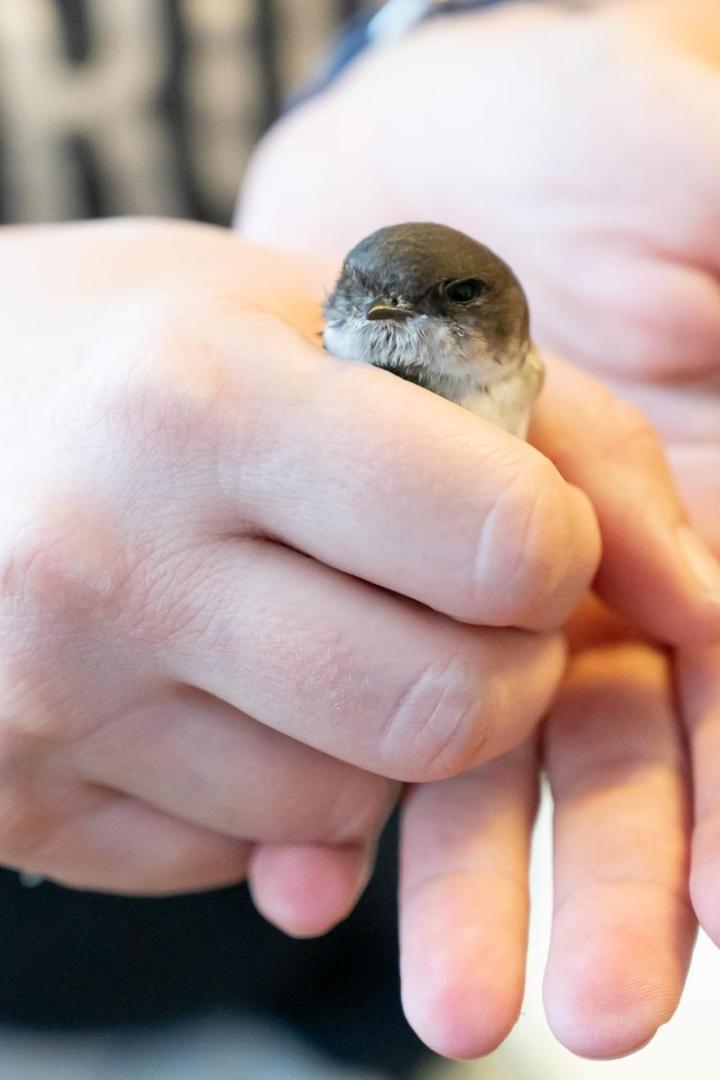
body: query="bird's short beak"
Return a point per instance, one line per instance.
(380, 308)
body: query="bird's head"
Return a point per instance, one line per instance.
(429, 303)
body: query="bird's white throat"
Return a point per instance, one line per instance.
(459, 366)
(445, 352)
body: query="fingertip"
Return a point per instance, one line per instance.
(599, 1014)
(538, 554)
(459, 1026)
(585, 1038)
(584, 527)
(306, 890)
(573, 536)
(462, 975)
(610, 982)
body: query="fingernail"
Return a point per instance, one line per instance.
(701, 561)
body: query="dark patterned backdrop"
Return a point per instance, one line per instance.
(145, 106)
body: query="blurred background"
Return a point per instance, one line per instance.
(114, 107)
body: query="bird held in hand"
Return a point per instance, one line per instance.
(437, 308)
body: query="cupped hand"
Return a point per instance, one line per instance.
(600, 191)
(245, 587)
(583, 146)
(614, 751)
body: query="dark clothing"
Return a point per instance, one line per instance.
(144, 107)
(73, 960)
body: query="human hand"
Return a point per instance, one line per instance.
(622, 925)
(615, 755)
(601, 192)
(244, 586)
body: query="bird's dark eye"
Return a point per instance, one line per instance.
(462, 292)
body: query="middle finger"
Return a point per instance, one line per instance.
(357, 672)
(623, 928)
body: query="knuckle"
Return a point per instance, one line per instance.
(183, 395)
(64, 557)
(439, 726)
(63, 577)
(174, 378)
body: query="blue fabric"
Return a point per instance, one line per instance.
(355, 39)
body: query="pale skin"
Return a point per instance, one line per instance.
(593, 169)
(201, 661)
(204, 675)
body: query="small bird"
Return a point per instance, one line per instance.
(437, 308)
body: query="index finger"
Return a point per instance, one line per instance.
(387, 482)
